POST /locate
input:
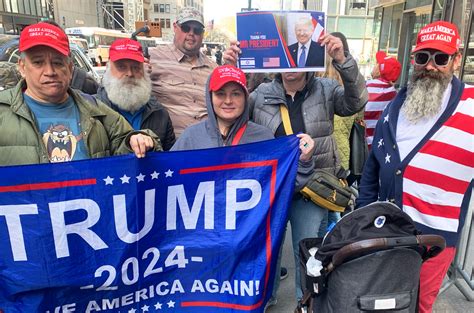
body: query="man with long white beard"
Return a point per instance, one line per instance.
(422, 153)
(126, 87)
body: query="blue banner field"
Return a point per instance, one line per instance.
(190, 231)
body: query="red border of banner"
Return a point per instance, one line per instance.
(48, 185)
(273, 164)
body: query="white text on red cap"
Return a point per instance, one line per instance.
(33, 32)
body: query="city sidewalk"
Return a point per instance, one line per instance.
(451, 301)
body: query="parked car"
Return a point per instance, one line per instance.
(9, 52)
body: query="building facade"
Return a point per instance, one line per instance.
(396, 24)
(17, 14)
(82, 13)
(354, 19)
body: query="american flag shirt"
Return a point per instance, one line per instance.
(380, 95)
(433, 182)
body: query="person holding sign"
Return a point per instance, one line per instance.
(306, 52)
(311, 103)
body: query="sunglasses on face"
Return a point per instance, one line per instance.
(439, 58)
(187, 28)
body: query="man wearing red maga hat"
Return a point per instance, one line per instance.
(43, 105)
(126, 88)
(422, 154)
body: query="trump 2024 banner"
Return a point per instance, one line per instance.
(281, 41)
(190, 231)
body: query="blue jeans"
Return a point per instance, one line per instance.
(305, 219)
(333, 217)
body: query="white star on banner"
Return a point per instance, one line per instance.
(109, 180)
(158, 306)
(140, 177)
(132, 311)
(385, 119)
(145, 308)
(154, 175)
(170, 304)
(169, 173)
(320, 17)
(380, 143)
(125, 179)
(387, 158)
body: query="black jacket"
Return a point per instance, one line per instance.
(155, 117)
(83, 81)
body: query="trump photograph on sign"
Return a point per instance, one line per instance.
(281, 41)
(304, 31)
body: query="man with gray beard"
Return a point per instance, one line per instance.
(423, 151)
(126, 87)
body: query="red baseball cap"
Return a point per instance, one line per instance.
(126, 49)
(225, 74)
(440, 35)
(44, 34)
(389, 67)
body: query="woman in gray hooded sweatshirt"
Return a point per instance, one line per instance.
(228, 116)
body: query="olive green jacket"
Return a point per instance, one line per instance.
(105, 132)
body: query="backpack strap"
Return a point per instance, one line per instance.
(285, 116)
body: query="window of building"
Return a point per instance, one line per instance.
(394, 37)
(162, 8)
(14, 6)
(167, 8)
(358, 5)
(330, 24)
(411, 4)
(391, 26)
(156, 8)
(354, 27)
(168, 23)
(162, 23)
(385, 28)
(378, 12)
(438, 10)
(468, 70)
(27, 7)
(44, 9)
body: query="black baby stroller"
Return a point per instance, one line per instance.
(370, 261)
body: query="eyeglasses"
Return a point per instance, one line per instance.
(187, 28)
(439, 58)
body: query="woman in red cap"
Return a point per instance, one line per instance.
(228, 116)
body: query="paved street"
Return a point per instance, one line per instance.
(450, 301)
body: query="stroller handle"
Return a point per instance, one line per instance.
(435, 242)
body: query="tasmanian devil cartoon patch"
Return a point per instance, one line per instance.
(61, 143)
